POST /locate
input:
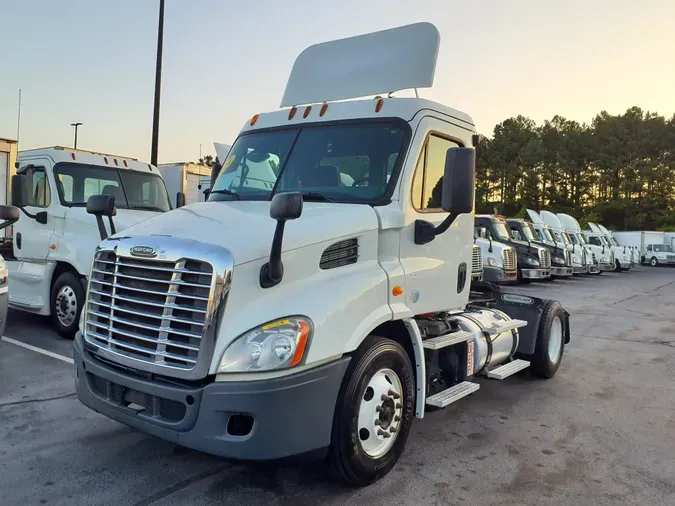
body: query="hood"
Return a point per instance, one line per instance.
(550, 219)
(568, 222)
(246, 229)
(534, 216)
(124, 218)
(595, 228)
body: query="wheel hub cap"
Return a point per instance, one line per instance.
(379, 416)
(555, 340)
(66, 306)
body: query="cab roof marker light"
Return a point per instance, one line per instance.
(378, 106)
(254, 119)
(323, 110)
(292, 112)
(308, 109)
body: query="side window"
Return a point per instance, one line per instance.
(428, 179)
(482, 232)
(649, 248)
(516, 234)
(38, 187)
(537, 234)
(595, 241)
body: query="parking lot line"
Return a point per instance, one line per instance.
(38, 350)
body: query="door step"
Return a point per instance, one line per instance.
(452, 394)
(436, 343)
(504, 326)
(506, 370)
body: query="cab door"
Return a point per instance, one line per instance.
(438, 273)
(32, 239)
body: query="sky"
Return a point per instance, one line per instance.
(93, 61)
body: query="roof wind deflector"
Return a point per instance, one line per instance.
(375, 63)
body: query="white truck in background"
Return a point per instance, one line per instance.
(49, 257)
(623, 257)
(551, 232)
(185, 179)
(602, 258)
(500, 262)
(314, 315)
(649, 244)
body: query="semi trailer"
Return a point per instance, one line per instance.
(312, 317)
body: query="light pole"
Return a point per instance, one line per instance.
(75, 125)
(158, 85)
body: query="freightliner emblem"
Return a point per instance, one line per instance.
(144, 251)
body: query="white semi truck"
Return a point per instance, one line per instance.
(602, 257)
(582, 260)
(632, 251)
(270, 322)
(500, 262)
(621, 256)
(50, 255)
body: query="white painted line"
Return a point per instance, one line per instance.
(38, 350)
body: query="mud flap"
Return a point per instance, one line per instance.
(517, 306)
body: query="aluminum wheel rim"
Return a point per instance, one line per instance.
(555, 340)
(66, 306)
(380, 413)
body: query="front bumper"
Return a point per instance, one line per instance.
(208, 418)
(561, 272)
(607, 267)
(499, 275)
(535, 273)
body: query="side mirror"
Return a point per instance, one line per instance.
(215, 172)
(457, 192)
(99, 206)
(9, 214)
(284, 207)
(20, 191)
(180, 199)
(459, 181)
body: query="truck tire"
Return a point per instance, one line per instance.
(522, 280)
(654, 262)
(66, 304)
(617, 265)
(550, 347)
(377, 397)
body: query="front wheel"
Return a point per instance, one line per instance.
(66, 304)
(374, 412)
(654, 262)
(617, 266)
(550, 345)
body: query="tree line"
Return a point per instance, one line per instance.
(617, 170)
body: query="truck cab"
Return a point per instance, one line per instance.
(534, 262)
(602, 249)
(561, 258)
(582, 261)
(50, 255)
(313, 317)
(660, 254)
(622, 256)
(601, 259)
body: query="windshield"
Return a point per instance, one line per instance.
(132, 189)
(527, 232)
(566, 238)
(580, 238)
(501, 231)
(345, 163)
(612, 241)
(665, 248)
(572, 238)
(604, 240)
(547, 235)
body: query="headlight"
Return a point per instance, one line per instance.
(532, 261)
(557, 260)
(493, 262)
(276, 345)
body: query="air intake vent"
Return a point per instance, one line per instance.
(340, 254)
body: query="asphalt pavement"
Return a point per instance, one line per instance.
(602, 431)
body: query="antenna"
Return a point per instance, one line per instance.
(18, 120)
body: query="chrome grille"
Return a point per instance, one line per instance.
(477, 261)
(544, 258)
(509, 259)
(150, 310)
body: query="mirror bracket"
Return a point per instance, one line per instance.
(425, 232)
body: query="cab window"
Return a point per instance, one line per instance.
(428, 179)
(38, 187)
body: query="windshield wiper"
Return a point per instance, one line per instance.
(316, 197)
(225, 191)
(148, 208)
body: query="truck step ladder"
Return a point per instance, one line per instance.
(504, 326)
(436, 343)
(452, 394)
(506, 370)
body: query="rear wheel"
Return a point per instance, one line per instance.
(550, 345)
(374, 412)
(66, 303)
